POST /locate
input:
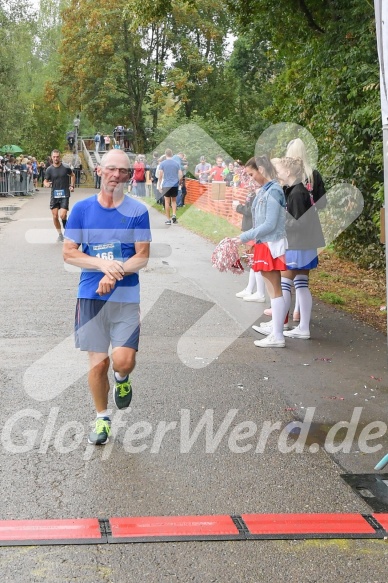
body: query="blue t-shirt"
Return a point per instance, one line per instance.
(170, 169)
(109, 233)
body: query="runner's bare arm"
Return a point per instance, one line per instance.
(72, 255)
(139, 260)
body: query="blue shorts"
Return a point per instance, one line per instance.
(100, 324)
(301, 259)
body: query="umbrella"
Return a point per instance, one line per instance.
(11, 149)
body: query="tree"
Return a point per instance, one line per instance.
(126, 65)
(328, 82)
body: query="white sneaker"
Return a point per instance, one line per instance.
(297, 333)
(270, 342)
(254, 298)
(261, 330)
(268, 325)
(242, 293)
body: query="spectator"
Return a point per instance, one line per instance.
(97, 177)
(139, 169)
(228, 174)
(97, 141)
(181, 159)
(35, 173)
(41, 171)
(77, 171)
(102, 143)
(202, 170)
(154, 179)
(255, 277)
(217, 170)
(107, 142)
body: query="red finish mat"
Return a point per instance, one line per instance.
(50, 531)
(185, 528)
(382, 519)
(173, 528)
(308, 525)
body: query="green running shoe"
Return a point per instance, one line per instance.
(122, 392)
(101, 433)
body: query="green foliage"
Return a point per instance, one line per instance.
(328, 83)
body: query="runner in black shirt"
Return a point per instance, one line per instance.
(60, 178)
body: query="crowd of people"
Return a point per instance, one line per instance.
(120, 139)
(21, 175)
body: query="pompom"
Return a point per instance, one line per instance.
(226, 257)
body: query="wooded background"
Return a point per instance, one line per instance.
(234, 67)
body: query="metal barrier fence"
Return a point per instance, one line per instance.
(16, 183)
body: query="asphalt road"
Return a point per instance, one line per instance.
(206, 430)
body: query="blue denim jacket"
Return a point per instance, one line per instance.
(269, 215)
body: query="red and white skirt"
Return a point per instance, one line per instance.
(263, 260)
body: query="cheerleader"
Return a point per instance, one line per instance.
(314, 184)
(268, 210)
(255, 277)
(304, 235)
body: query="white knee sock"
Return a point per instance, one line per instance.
(251, 282)
(278, 313)
(259, 283)
(286, 289)
(305, 299)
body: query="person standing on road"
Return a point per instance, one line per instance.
(304, 236)
(113, 231)
(314, 184)
(269, 211)
(61, 179)
(170, 174)
(255, 277)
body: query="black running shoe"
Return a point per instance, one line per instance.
(101, 433)
(173, 218)
(122, 392)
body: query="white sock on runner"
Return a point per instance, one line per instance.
(103, 414)
(119, 378)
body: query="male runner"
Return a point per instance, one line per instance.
(108, 236)
(170, 174)
(60, 178)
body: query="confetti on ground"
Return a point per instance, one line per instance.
(324, 359)
(375, 378)
(333, 397)
(290, 409)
